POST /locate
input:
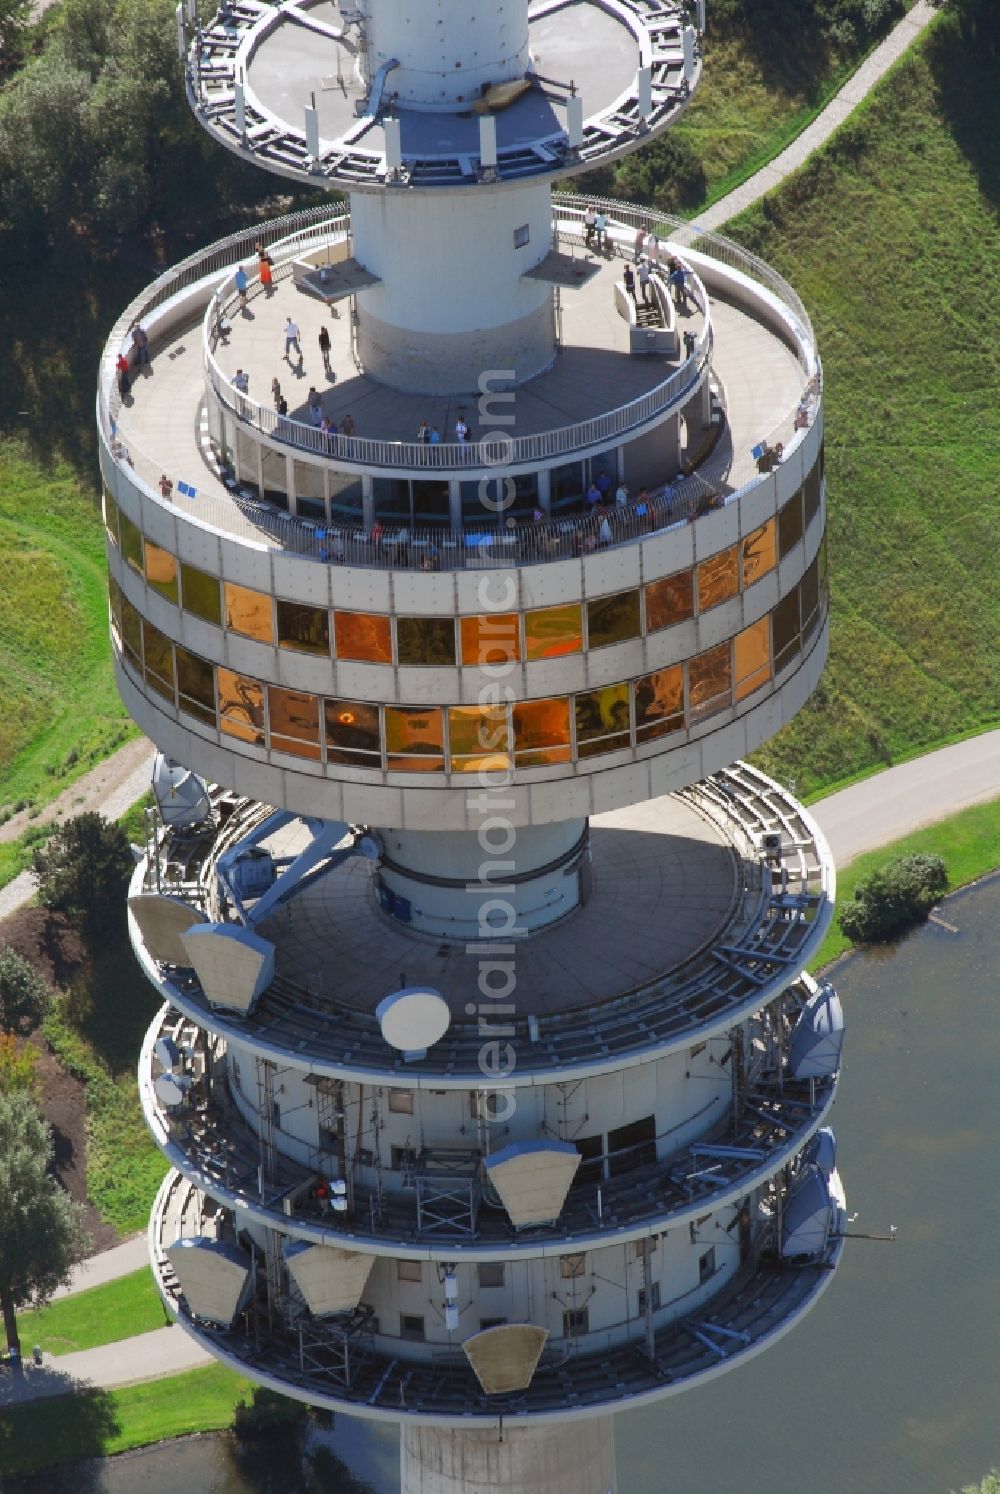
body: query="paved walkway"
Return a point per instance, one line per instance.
(908, 797)
(854, 90)
(120, 1260)
(130, 1361)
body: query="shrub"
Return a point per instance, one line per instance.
(266, 1409)
(17, 1067)
(84, 872)
(24, 993)
(894, 898)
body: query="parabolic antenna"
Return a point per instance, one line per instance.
(171, 1089)
(414, 1018)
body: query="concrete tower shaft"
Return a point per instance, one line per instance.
(445, 54)
(452, 302)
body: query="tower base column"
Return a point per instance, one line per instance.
(569, 1458)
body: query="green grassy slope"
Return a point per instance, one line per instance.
(891, 236)
(61, 712)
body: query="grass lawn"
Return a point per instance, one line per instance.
(98, 1423)
(102, 1315)
(969, 845)
(61, 711)
(891, 236)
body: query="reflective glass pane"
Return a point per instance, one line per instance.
(760, 553)
(785, 629)
(710, 680)
(241, 706)
(195, 685)
(310, 481)
(425, 640)
(490, 640)
(110, 516)
(161, 571)
(718, 579)
(115, 600)
(613, 619)
(669, 600)
(352, 733)
(752, 657)
(132, 634)
(478, 738)
(566, 486)
(551, 632)
(790, 524)
(821, 559)
(294, 721)
(131, 543)
(275, 475)
(346, 496)
(158, 656)
(414, 739)
(304, 628)
(431, 502)
(246, 461)
(201, 594)
(810, 494)
(659, 703)
(809, 599)
(602, 723)
(541, 732)
(248, 612)
(363, 635)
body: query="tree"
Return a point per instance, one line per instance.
(24, 993)
(893, 898)
(84, 872)
(41, 1229)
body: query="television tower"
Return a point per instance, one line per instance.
(463, 540)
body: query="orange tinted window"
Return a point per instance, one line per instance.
(248, 612)
(241, 706)
(752, 656)
(602, 720)
(760, 553)
(551, 632)
(414, 739)
(670, 600)
(294, 722)
(718, 579)
(710, 680)
(161, 571)
(363, 635)
(478, 738)
(352, 733)
(492, 639)
(659, 703)
(158, 656)
(541, 732)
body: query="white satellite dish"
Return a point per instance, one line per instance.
(171, 1090)
(181, 795)
(166, 1053)
(414, 1018)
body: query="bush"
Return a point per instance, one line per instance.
(894, 898)
(267, 1409)
(84, 872)
(24, 993)
(17, 1066)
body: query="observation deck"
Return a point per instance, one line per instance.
(753, 1310)
(252, 73)
(707, 929)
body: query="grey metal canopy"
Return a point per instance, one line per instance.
(822, 1150)
(808, 1215)
(817, 1037)
(182, 797)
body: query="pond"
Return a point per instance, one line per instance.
(893, 1382)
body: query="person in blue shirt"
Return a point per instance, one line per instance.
(240, 281)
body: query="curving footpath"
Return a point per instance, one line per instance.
(857, 87)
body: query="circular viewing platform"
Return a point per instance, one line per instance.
(708, 926)
(256, 68)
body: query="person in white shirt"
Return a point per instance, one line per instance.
(461, 431)
(589, 223)
(292, 340)
(601, 229)
(621, 495)
(644, 280)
